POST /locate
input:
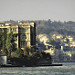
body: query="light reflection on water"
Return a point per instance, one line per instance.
(66, 69)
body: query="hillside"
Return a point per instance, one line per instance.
(49, 27)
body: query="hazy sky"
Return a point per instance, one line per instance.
(63, 10)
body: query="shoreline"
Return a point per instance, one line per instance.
(42, 65)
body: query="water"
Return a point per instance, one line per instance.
(66, 69)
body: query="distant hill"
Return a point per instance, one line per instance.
(49, 27)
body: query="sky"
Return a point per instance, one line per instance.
(58, 10)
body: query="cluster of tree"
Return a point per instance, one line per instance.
(55, 44)
(29, 58)
(32, 60)
(7, 44)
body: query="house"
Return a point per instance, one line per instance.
(24, 33)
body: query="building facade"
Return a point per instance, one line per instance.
(24, 34)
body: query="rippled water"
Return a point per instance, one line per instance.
(66, 69)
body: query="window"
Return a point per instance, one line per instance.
(23, 43)
(11, 29)
(23, 36)
(14, 29)
(15, 38)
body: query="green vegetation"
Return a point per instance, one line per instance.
(9, 43)
(3, 35)
(17, 53)
(31, 60)
(26, 50)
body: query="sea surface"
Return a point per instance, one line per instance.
(66, 69)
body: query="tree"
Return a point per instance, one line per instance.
(26, 50)
(55, 44)
(19, 52)
(9, 43)
(0, 39)
(4, 37)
